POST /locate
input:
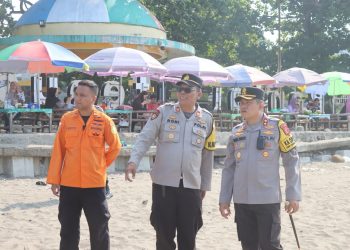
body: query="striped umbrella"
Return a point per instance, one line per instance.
(38, 57)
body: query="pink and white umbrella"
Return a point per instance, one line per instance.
(245, 76)
(208, 70)
(298, 77)
(121, 61)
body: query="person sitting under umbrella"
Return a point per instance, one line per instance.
(52, 101)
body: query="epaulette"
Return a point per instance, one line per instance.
(207, 111)
(169, 104)
(237, 127)
(273, 119)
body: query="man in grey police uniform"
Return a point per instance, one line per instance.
(182, 169)
(251, 174)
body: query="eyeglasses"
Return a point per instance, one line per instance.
(184, 89)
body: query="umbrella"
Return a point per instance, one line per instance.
(339, 83)
(38, 57)
(317, 89)
(245, 76)
(208, 70)
(120, 61)
(298, 77)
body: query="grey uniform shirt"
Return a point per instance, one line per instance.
(251, 176)
(181, 147)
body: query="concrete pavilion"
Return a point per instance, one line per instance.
(86, 26)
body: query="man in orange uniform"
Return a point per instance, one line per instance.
(78, 166)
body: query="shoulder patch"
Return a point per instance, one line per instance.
(286, 141)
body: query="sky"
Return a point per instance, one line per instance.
(16, 3)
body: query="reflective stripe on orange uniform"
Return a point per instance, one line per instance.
(79, 157)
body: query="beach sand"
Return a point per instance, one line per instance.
(28, 214)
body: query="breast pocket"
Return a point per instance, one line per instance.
(171, 133)
(239, 150)
(96, 139)
(198, 137)
(71, 137)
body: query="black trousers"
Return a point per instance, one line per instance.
(93, 201)
(259, 226)
(176, 210)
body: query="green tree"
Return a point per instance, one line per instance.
(227, 31)
(314, 32)
(6, 20)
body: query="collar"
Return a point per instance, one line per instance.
(93, 113)
(198, 113)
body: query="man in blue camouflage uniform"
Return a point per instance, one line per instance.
(251, 174)
(183, 165)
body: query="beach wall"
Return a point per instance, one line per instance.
(28, 155)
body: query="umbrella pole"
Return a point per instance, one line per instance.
(37, 90)
(163, 92)
(120, 89)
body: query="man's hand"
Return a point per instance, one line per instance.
(291, 206)
(202, 193)
(130, 169)
(55, 188)
(225, 210)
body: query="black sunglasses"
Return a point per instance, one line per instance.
(184, 89)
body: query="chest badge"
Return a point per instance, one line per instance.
(199, 141)
(238, 155)
(171, 136)
(265, 154)
(172, 127)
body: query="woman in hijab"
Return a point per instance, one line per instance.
(293, 103)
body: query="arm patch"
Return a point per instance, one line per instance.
(210, 141)
(286, 141)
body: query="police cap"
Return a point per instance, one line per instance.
(191, 80)
(250, 93)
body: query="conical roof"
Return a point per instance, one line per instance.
(129, 12)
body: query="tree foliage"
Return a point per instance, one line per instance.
(6, 20)
(314, 32)
(227, 31)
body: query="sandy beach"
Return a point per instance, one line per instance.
(28, 214)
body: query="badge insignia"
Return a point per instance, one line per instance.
(155, 115)
(265, 122)
(171, 136)
(268, 144)
(243, 91)
(199, 141)
(267, 132)
(186, 77)
(238, 155)
(172, 127)
(265, 154)
(201, 121)
(172, 117)
(198, 114)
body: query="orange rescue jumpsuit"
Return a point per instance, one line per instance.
(79, 158)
